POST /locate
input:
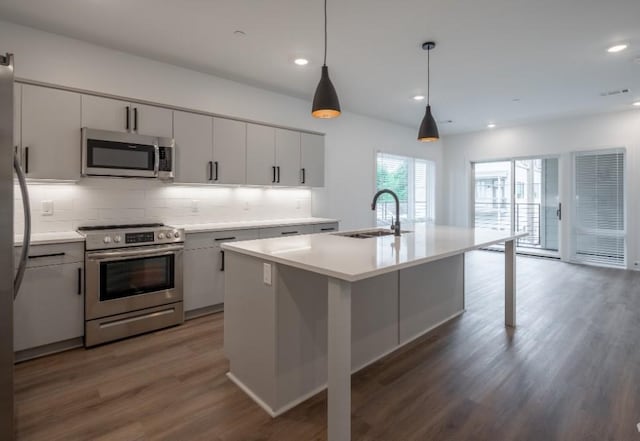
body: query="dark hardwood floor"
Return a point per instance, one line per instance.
(570, 371)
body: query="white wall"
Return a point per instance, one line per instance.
(351, 140)
(558, 137)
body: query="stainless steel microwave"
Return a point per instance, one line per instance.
(106, 153)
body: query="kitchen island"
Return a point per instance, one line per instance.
(303, 313)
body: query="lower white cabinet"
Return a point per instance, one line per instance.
(204, 266)
(50, 304)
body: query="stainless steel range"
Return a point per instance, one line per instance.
(133, 278)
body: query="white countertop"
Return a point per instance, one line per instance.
(50, 238)
(244, 225)
(354, 259)
(72, 236)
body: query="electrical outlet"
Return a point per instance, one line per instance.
(195, 207)
(246, 206)
(47, 208)
(266, 273)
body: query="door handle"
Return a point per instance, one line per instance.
(274, 174)
(210, 171)
(278, 181)
(26, 160)
(559, 211)
(304, 176)
(221, 260)
(135, 119)
(79, 281)
(215, 168)
(127, 120)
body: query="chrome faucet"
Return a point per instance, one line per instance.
(395, 226)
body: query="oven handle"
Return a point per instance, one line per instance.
(112, 255)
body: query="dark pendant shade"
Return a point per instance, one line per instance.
(428, 129)
(325, 101)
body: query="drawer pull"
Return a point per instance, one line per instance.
(47, 255)
(220, 239)
(327, 229)
(288, 232)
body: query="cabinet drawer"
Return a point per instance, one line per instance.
(285, 231)
(55, 254)
(205, 240)
(325, 228)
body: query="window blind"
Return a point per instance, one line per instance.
(413, 180)
(598, 226)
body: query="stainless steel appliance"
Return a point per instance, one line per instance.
(106, 153)
(9, 283)
(133, 280)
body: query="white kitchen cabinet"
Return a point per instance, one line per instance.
(325, 228)
(194, 144)
(50, 133)
(291, 230)
(152, 120)
(261, 145)
(204, 266)
(287, 157)
(312, 160)
(229, 151)
(124, 116)
(49, 307)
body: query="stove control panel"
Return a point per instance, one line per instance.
(107, 239)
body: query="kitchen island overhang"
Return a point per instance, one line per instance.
(304, 312)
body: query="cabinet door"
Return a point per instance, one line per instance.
(152, 121)
(194, 147)
(288, 157)
(49, 307)
(200, 271)
(230, 151)
(50, 133)
(312, 159)
(106, 114)
(260, 154)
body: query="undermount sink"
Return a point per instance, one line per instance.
(369, 234)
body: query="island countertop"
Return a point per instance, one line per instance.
(352, 259)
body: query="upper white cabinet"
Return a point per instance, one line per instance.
(312, 160)
(50, 133)
(123, 116)
(261, 156)
(229, 151)
(194, 145)
(287, 157)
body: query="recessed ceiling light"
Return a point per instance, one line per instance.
(617, 48)
(491, 126)
(418, 97)
(637, 104)
(301, 61)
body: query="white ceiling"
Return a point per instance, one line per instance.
(549, 54)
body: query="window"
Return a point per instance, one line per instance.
(413, 180)
(598, 227)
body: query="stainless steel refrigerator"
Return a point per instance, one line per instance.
(11, 276)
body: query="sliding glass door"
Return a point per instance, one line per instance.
(522, 195)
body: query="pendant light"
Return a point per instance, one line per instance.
(325, 101)
(428, 129)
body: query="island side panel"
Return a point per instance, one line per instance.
(250, 326)
(429, 295)
(302, 328)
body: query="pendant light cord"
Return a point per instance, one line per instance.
(428, 75)
(325, 33)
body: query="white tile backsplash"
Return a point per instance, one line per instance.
(106, 201)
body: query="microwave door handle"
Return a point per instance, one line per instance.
(156, 163)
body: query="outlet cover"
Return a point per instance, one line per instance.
(266, 271)
(47, 208)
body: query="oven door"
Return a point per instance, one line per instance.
(107, 153)
(125, 280)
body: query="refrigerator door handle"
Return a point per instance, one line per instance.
(26, 240)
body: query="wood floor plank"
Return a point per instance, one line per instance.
(570, 371)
